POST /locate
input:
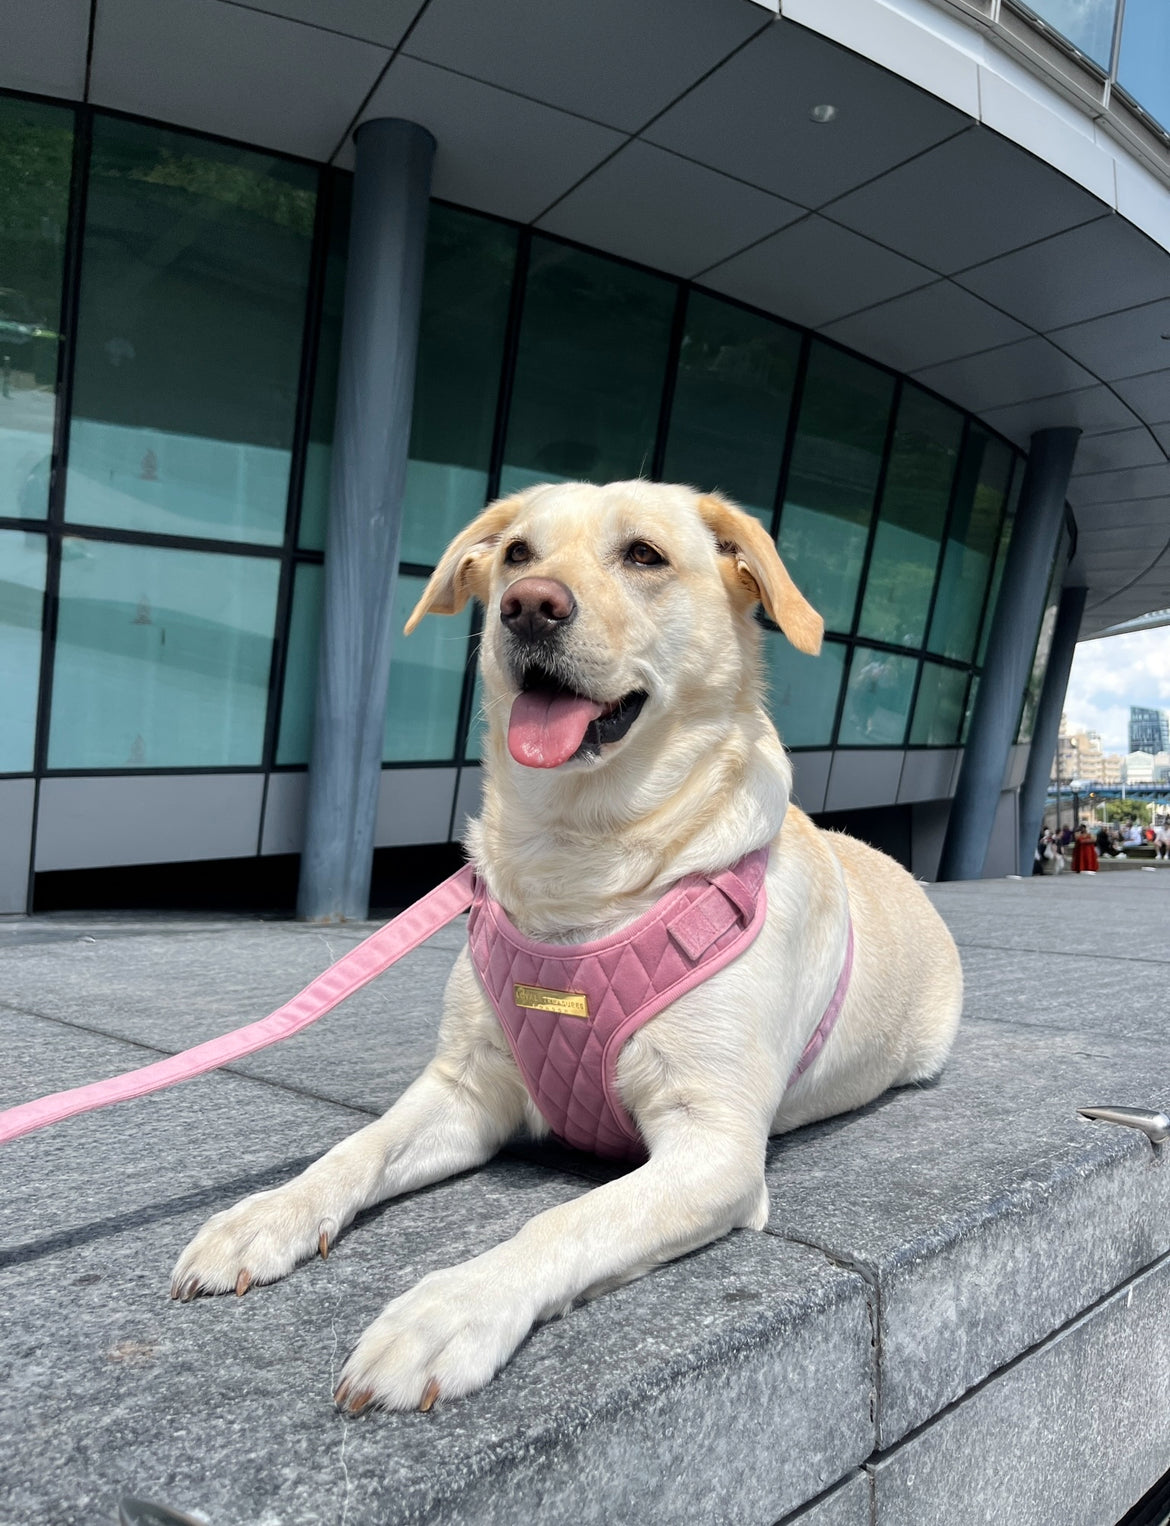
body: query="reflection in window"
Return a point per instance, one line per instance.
(1143, 68)
(1087, 24)
(426, 677)
(36, 153)
(1001, 553)
(877, 699)
(938, 710)
(980, 491)
(803, 690)
(22, 589)
(589, 372)
(1043, 647)
(466, 288)
(836, 459)
(914, 507)
(162, 657)
(731, 400)
(193, 283)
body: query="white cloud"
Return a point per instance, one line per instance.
(1109, 676)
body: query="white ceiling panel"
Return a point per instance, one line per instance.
(1131, 343)
(651, 206)
(1011, 374)
(1112, 487)
(496, 151)
(610, 60)
(751, 118)
(813, 272)
(966, 201)
(42, 47)
(1148, 395)
(923, 328)
(1097, 268)
(380, 21)
(223, 69)
(1091, 409)
(1118, 448)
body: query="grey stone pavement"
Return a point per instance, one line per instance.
(959, 1312)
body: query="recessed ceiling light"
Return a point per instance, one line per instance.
(823, 113)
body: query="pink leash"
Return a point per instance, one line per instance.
(354, 970)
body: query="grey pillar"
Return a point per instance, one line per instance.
(371, 440)
(1009, 653)
(1046, 727)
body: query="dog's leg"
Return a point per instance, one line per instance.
(456, 1328)
(455, 1116)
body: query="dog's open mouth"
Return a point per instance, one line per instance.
(550, 723)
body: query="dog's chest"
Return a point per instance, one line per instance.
(567, 1009)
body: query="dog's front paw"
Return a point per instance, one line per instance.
(447, 1337)
(260, 1240)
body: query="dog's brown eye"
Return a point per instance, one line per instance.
(519, 551)
(642, 554)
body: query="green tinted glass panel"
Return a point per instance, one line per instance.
(36, 152)
(194, 276)
(477, 725)
(466, 289)
(938, 710)
(461, 349)
(913, 511)
(162, 657)
(1001, 551)
(836, 459)
(877, 699)
(803, 690)
(1043, 647)
(319, 446)
(980, 493)
(589, 372)
(22, 589)
(731, 400)
(426, 677)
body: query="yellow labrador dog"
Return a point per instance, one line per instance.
(627, 747)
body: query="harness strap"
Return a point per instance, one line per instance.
(352, 971)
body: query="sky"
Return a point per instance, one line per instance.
(1110, 675)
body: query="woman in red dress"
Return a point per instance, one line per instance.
(1084, 852)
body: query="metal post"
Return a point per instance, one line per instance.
(1046, 728)
(1009, 654)
(371, 440)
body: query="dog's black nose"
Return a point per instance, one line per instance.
(533, 608)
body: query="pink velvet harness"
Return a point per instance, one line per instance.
(567, 1009)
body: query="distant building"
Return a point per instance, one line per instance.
(1149, 730)
(1138, 768)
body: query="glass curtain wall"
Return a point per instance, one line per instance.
(180, 549)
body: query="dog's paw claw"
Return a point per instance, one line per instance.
(243, 1282)
(430, 1394)
(323, 1245)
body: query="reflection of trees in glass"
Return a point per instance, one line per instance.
(36, 155)
(877, 699)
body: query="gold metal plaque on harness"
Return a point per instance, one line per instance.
(567, 1003)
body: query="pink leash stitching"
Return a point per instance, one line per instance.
(376, 953)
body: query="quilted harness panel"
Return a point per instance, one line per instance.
(567, 1009)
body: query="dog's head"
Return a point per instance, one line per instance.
(614, 612)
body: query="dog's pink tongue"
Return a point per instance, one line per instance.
(545, 730)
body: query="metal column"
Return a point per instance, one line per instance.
(1046, 727)
(1009, 653)
(371, 440)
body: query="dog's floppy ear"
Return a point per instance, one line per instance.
(754, 570)
(461, 574)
